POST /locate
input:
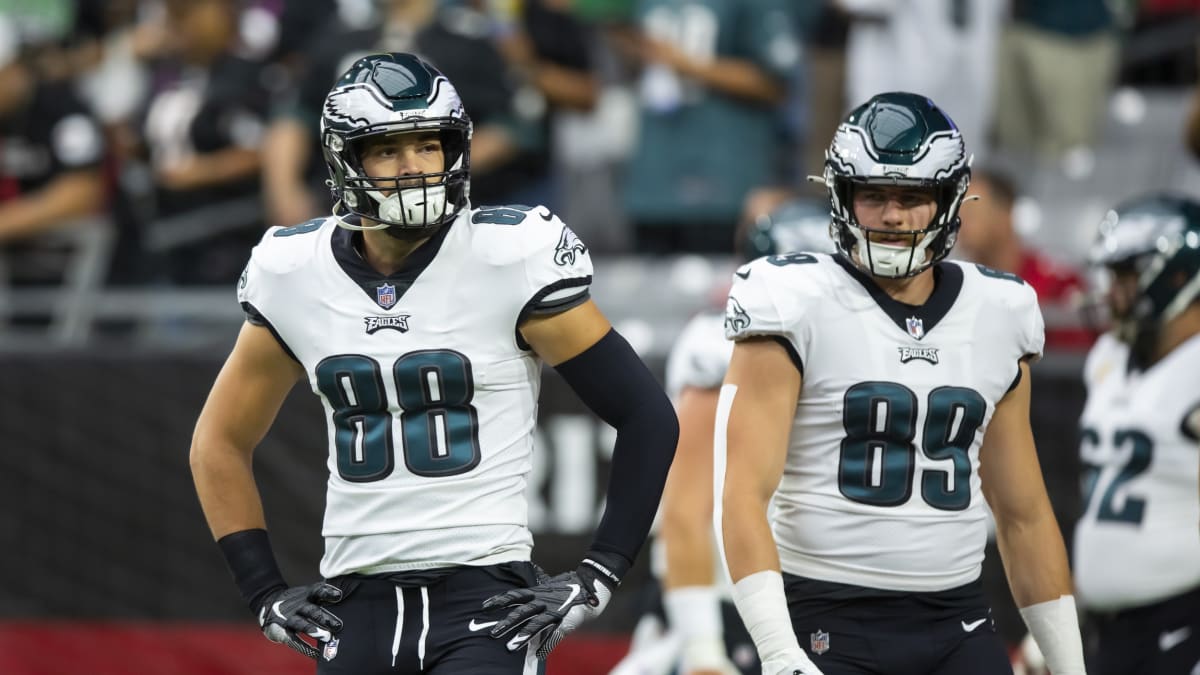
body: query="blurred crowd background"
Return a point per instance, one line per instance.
(146, 144)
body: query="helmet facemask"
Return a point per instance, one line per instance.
(924, 247)
(408, 205)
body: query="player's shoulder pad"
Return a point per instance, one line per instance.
(280, 252)
(1004, 288)
(529, 235)
(284, 249)
(1011, 300)
(770, 288)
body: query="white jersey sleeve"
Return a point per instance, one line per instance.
(700, 355)
(771, 297)
(558, 268)
(263, 289)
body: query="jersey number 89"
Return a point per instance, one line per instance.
(439, 428)
(878, 457)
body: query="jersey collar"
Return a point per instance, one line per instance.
(947, 282)
(344, 243)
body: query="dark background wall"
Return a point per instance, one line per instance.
(99, 519)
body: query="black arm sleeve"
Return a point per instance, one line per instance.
(611, 379)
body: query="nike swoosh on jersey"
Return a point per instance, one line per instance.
(1169, 639)
(574, 592)
(970, 627)
(744, 275)
(477, 626)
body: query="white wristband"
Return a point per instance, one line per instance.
(1054, 625)
(760, 600)
(694, 613)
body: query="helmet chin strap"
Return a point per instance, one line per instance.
(417, 206)
(892, 261)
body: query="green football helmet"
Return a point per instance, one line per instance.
(897, 139)
(1157, 237)
(798, 225)
(388, 94)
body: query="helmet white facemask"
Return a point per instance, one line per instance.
(415, 206)
(886, 260)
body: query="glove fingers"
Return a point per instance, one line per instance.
(325, 594)
(321, 617)
(517, 617)
(514, 597)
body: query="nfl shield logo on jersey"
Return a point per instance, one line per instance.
(916, 327)
(330, 649)
(818, 642)
(385, 295)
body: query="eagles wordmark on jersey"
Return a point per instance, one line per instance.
(881, 486)
(424, 378)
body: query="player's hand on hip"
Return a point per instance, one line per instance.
(790, 664)
(288, 613)
(542, 615)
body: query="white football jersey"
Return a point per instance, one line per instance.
(429, 390)
(700, 355)
(1136, 542)
(881, 485)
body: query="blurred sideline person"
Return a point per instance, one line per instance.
(1137, 554)
(50, 170)
(421, 322)
(873, 399)
(705, 634)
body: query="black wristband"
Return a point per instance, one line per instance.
(609, 564)
(249, 556)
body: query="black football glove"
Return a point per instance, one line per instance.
(544, 614)
(287, 612)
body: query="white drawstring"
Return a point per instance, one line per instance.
(424, 627)
(399, 623)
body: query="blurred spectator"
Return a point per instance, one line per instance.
(989, 236)
(202, 129)
(1057, 61)
(508, 157)
(825, 37)
(713, 79)
(814, 108)
(50, 167)
(942, 49)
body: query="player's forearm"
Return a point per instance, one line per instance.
(225, 485)
(1035, 558)
(689, 545)
(749, 544)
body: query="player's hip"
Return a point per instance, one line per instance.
(427, 621)
(853, 630)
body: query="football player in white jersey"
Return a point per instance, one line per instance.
(874, 397)
(1137, 553)
(705, 634)
(421, 324)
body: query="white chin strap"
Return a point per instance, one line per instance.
(412, 206)
(891, 261)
